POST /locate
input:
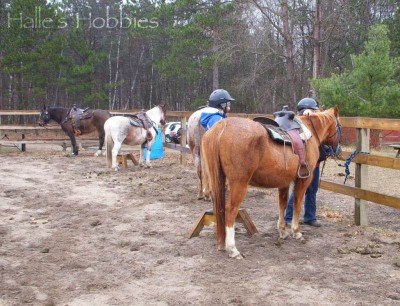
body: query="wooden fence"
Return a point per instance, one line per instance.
(363, 126)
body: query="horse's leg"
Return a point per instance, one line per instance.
(203, 184)
(299, 190)
(283, 201)
(196, 157)
(148, 152)
(101, 143)
(115, 150)
(73, 142)
(147, 164)
(237, 194)
(141, 154)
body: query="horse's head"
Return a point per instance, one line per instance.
(163, 114)
(44, 117)
(332, 140)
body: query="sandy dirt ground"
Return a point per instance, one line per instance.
(73, 232)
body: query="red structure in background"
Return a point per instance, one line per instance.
(377, 139)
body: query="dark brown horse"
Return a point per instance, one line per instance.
(94, 121)
(242, 151)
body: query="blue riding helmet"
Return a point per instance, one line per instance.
(218, 97)
(307, 103)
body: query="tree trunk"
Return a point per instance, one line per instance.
(290, 70)
(110, 78)
(117, 68)
(317, 44)
(151, 79)
(215, 68)
(135, 77)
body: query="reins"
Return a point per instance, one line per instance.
(328, 149)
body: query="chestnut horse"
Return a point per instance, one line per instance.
(85, 126)
(119, 130)
(242, 151)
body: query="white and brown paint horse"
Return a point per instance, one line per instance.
(242, 151)
(119, 130)
(194, 135)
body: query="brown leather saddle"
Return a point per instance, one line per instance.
(284, 129)
(142, 120)
(76, 115)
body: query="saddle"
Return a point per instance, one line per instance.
(76, 115)
(286, 130)
(142, 120)
(285, 119)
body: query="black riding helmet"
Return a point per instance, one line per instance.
(218, 97)
(307, 103)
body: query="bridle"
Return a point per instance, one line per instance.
(153, 123)
(44, 117)
(329, 149)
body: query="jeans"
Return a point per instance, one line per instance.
(310, 201)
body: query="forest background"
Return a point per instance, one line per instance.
(136, 54)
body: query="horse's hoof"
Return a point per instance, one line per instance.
(234, 253)
(236, 256)
(298, 235)
(283, 234)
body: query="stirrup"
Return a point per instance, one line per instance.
(303, 171)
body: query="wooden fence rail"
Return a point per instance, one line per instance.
(363, 126)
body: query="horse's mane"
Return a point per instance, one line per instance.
(325, 117)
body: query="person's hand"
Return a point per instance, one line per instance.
(307, 112)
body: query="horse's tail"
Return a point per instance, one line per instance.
(214, 177)
(109, 145)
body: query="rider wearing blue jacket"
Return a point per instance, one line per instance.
(219, 104)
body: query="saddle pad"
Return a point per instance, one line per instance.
(134, 122)
(305, 133)
(279, 136)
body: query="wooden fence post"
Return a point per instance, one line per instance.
(361, 178)
(182, 158)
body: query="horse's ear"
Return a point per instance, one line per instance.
(336, 111)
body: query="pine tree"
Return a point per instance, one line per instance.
(369, 89)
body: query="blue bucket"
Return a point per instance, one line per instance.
(157, 151)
